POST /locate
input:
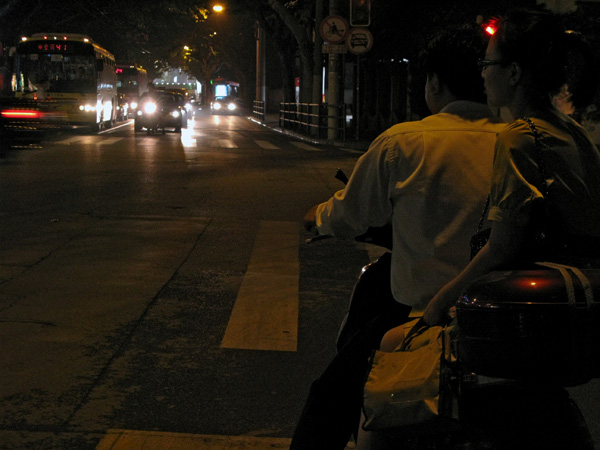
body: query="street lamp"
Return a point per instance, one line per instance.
(218, 8)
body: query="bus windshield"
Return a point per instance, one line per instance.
(127, 80)
(58, 72)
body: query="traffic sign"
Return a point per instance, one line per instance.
(334, 29)
(359, 41)
(334, 49)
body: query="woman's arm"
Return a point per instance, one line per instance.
(504, 244)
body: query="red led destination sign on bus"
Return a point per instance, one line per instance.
(52, 47)
(71, 47)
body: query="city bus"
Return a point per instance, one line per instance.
(70, 77)
(132, 82)
(225, 88)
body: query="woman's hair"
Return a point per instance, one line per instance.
(452, 55)
(538, 42)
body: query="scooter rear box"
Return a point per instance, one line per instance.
(522, 324)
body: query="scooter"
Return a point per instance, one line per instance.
(489, 413)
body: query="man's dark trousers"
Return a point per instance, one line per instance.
(331, 413)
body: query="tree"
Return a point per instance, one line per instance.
(135, 31)
(285, 20)
(299, 18)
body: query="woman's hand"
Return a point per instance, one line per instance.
(503, 246)
(438, 309)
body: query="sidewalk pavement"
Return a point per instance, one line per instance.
(272, 121)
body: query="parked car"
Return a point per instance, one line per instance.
(225, 105)
(159, 111)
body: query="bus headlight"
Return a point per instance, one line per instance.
(87, 108)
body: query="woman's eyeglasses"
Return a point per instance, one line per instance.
(483, 63)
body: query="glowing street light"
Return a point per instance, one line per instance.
(218, 8)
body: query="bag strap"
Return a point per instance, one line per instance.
(537, 136)
(483, 214)
(414, 331)
(419, 327)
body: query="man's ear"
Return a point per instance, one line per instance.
(516, 73)
(434, 83)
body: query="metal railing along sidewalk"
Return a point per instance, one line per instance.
(309, 119)
(312, 119)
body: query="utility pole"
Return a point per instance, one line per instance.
(261, 94)
(317, 54)
(334, 78)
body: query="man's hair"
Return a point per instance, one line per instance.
(452, 55)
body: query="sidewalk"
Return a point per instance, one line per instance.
(272, 121)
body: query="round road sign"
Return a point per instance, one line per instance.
(359, 40)
(334, 29)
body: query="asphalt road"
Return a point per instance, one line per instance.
(123, 257)
(161, 284)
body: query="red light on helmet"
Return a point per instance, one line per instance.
(489, 29)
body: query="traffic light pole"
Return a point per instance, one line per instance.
(334, 78)
(318, 56)
(357, 102)
(260, 65)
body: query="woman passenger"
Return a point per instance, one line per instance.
(525, 63)
(524, 66)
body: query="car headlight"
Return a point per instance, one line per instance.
(87, 108)
(150, 108)
(231, 106)
(133, 105)
(175, 113)
(217, 106)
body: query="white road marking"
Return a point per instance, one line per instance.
(266, 144)
(351, 150)
(110, 141)
(145, 141)
(305, 146)
(265, 314)
(140, 440)
(227, 143)
(71, 140)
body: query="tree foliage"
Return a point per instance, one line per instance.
(135, 31)
(154, 33)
